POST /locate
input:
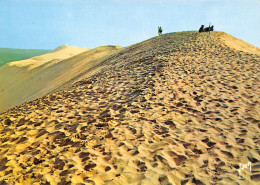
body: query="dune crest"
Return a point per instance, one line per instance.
(60, 48)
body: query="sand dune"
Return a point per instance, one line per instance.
(181, 108)
(11, 54)
(25, 80)
(57, 55)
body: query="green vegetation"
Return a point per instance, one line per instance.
(9, 55)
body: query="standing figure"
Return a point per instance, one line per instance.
(201, 28)
(160, 30)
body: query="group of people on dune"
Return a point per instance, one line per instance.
(202, 29)
(207, 29)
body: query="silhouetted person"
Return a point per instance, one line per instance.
(160, 30)
(201, 28)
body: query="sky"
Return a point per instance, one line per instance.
(47, 24)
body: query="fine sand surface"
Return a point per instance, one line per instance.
(182, 108)
(25, 80)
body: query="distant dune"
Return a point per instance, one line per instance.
(55, 56)
(25, 80)
(9, 55)
(178, 109)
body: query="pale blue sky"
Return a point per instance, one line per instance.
(47, 24)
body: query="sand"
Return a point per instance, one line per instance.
(181, 108)
(26, 80)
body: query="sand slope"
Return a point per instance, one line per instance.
(176, 109)
(26, 80)
(235, 43)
